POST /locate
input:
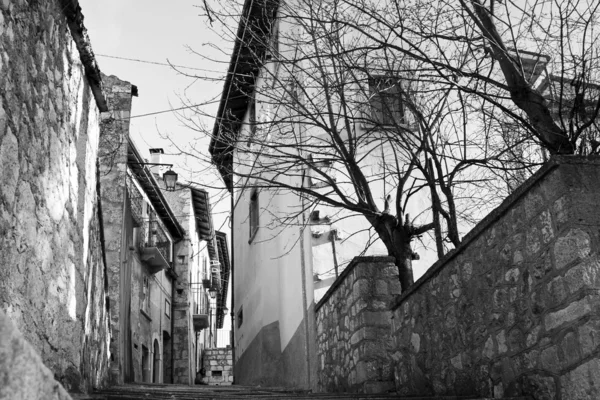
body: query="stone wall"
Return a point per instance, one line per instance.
(52, 278)
(22, 373)
(113, 170)
(353, 328)
(218, 366)
(515, 310)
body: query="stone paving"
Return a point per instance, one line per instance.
(181, 392)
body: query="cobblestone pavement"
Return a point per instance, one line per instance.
(181, 392)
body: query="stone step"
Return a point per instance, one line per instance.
(235, 392)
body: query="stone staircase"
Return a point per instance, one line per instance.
(235, 392)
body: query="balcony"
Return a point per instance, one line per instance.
(136, 202)
(155, 247)
(200, 307)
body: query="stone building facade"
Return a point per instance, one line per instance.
(52, 276)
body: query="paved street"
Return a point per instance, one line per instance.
(181, 392)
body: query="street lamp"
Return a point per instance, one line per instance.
(213, 293)
(225, 310)
(170, 179)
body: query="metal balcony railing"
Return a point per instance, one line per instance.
(200, 307)
(136, 201)
(154, 236)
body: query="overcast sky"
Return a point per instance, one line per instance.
(156, 32)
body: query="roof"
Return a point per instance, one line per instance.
(249, 48)
(202, 213)
(153, 191)
(225, 271)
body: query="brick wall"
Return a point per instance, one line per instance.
(515, 310)
(52, 282)
(353, 328)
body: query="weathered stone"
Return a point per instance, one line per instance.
(570, 313)
(582, 382)
(571, 246)
(23, 373)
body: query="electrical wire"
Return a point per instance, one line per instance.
(159, 63)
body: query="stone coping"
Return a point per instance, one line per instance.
(355, 261)
(72, 12)
(492, 217)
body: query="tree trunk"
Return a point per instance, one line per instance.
(396, 238)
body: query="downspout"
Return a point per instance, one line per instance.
(173, 317)
(232, 275)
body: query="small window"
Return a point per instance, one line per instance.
(252, 121)
(240, 317)
(316, 180)
(217, 373)
(146, 295)
(167, 308)
(254, 220)
(385, 100)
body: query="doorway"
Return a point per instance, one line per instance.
(166, 357)
(156, 365)
(145, 364)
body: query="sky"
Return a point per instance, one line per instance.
(162, 32)
(154, 32)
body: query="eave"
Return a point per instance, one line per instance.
(223, 251)
(202, 215)
(152, 190)
(246, 60)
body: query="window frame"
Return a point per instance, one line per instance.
(380, 114)
(253, 214)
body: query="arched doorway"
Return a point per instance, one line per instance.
(156, 372)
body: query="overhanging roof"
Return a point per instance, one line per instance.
(202, 214)
(225, 271)
(152, 190)
(249, 48)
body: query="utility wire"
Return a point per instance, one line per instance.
(158, 63)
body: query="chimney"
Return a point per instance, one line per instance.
(156, 157)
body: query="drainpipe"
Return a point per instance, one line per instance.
(173, 316)
(232, 275)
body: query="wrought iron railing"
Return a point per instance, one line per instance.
(200, 301)
(136, 200)
(154, 236)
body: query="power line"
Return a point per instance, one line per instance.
(158, 63)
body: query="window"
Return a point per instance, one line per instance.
(240, 317)
(253, 214)
(386, 101)
(252, 121)
(316, 180)
(146, 295)
(167, 308)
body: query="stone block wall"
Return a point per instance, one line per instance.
(515, 310)
(353, 328)
(112, 159)
(52, 278)
(218, 366)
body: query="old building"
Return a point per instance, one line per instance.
(161, 246)
(288, 248)
(92, 250)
